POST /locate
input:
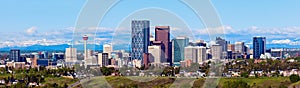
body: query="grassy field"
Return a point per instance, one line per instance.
(166, 82)
(60, 81)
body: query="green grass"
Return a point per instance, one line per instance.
(165, 82)
(273, 82)
(60, 81)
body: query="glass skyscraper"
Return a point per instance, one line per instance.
(259, 46)
(15, 55)
(140, 38)
(178, 45)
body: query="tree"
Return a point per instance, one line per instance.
(245, 74)
(294, 78)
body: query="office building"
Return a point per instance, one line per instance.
(162, 33)
(231, 47)
(201, 54)
(107, 49)
(146, 60)
(259, 46)
(71, 55)
(140, 38)
(103, 59)
(223, 43)
(240, 47)
(155, 54)
(15, 55)
(197, 54)
(178, 45)
(190, 53)
(216, 51)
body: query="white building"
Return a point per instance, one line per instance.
(216, 51)
(155, 54)
(107, 49)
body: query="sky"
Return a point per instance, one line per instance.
(50, 21)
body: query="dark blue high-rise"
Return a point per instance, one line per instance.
(259, 46)
(140, 38)
(15, 55)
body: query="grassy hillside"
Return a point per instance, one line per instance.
(166, 82)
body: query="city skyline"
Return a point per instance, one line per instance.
(150, 43)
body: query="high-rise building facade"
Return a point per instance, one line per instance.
(201, 54)
(71, 54)
(223, 43)
(103, 59)
(195, 53)
(240, 47)
(140, 38)
(190, 53)
(259, 46)
(15, 55)
(162, 33)
(155, 54)
(216, 51)
(231, 47)
(178, 45)
(107, 48)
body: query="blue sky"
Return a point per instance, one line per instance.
(49, 17)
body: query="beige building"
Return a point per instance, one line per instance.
(216, 51)
(155, 54)
(71, 54)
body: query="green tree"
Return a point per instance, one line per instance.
(294, 78)
(245, 74)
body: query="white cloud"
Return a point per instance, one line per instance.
(31, 30)
(285, 41)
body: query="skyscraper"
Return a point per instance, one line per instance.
(155, 54)
(190, 53)
(71, 54)
(195, 53)
(259, 46)
(216, 51)
(140, 38)
(15, 55)
(231, 47)
(239, 47)
(162, 33)
(201, 54)
(223, 43)
(178, 45)
(107, 49)
(103, 59)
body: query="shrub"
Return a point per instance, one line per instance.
(294, 78)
